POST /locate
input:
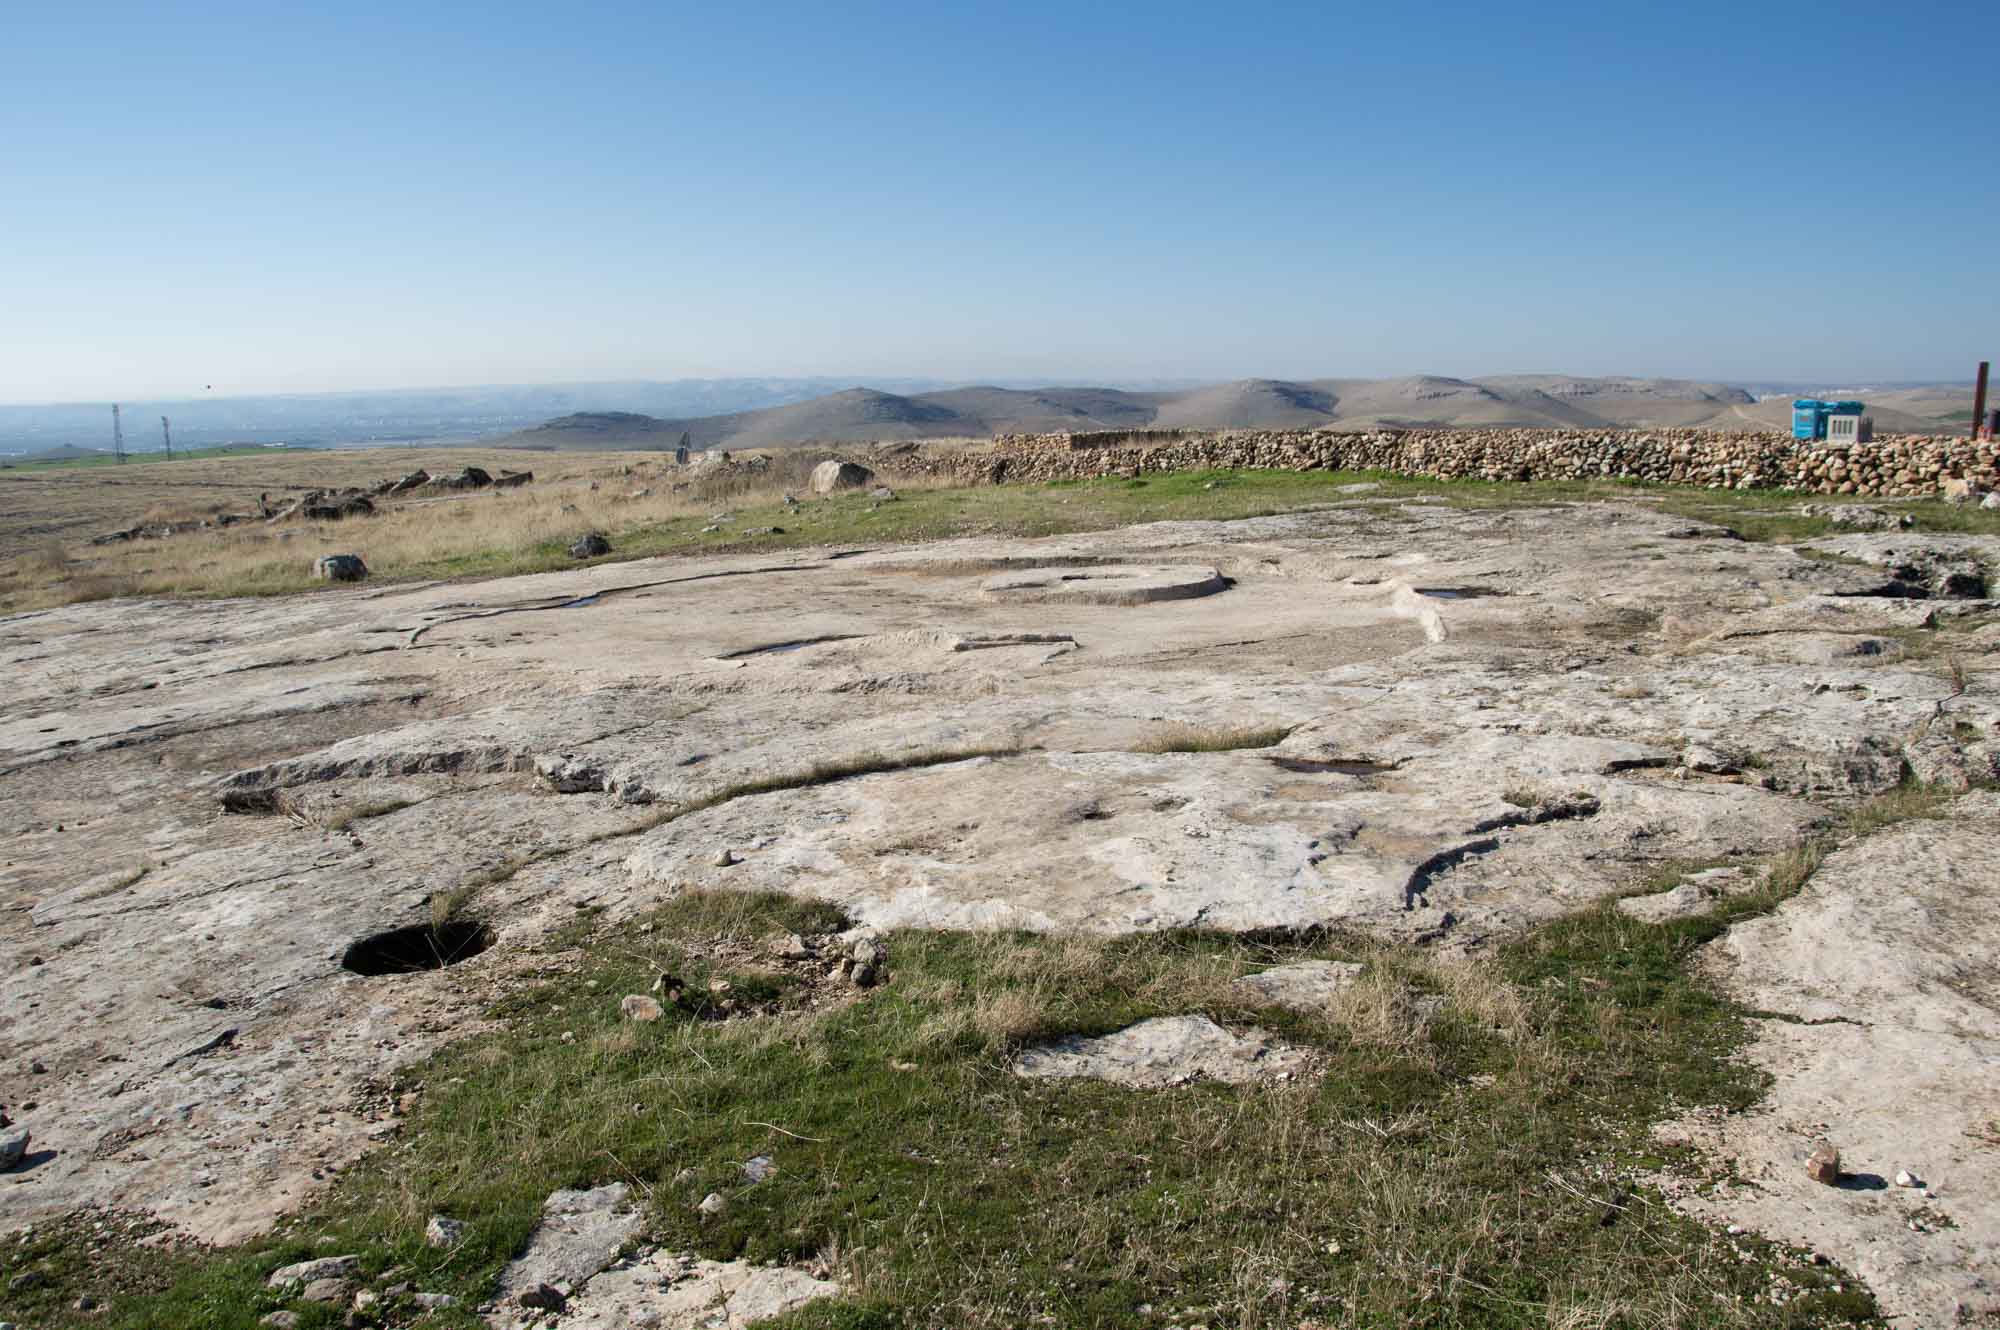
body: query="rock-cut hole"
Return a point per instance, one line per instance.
(418, 947)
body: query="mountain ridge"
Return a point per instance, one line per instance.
(861, 414)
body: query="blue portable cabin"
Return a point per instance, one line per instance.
(1808, 418)
(1841, 409)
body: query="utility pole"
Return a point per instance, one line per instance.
(117, 434)
(167, 434)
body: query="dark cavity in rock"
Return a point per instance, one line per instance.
(418, 947)
(1458, 592)
(776, 648)
(1329, 766)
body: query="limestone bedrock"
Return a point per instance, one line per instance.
(1487, 715)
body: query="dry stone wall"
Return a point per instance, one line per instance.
(1905, 465)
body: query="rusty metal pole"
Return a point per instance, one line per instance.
(1979, 399)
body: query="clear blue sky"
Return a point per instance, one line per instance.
(378, 195)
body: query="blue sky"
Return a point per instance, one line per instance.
(267, 199)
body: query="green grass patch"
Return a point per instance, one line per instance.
(1471, 1155)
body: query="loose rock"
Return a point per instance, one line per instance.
(1823, 1166)
(13, 1147)
(589, 546)
(443, 1232)
(639, 1007)
(304, 1272)
(836, 475)
(339, 568)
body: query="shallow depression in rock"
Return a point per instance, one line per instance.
(416, 948)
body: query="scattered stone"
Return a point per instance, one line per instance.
(281, 1320)
(443, 1232)
(1905, 1178)
(1823, 1165)
(834, 475)
(339, 568)
(725, 858)
(882, 493)
(431, 1302)
(1991, 500)
(639, 1007)
(1858, 516)
(305, 1272)
(36, 1068)
(867, 951)
(712, 1204)
(26, 1280)
(1166, 1051)
(86, 1303)
(589, 546)
(757, 1168)
(13, 1148)
(862, 976)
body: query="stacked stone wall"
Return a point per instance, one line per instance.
(1896, 466)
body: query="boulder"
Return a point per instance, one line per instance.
(589, 546)
(13, 1147)
(307, 1272)
(443, 1231)
(833, 475)
(639, 1007)
(507, 480)
(339, 568)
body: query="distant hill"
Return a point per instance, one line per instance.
(1547, 400)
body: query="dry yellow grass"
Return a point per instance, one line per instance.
(486, 532)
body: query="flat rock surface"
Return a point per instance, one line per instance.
(1302, 985)
(580, 1233)
(1484, 713)
(1882, 980)
(1163, 1052)
(675, 1291)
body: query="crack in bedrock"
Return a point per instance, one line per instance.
(1416, 890)
(482, 760)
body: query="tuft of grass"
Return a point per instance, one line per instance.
(1214, 738)
(347, 817)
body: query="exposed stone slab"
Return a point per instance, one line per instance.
(1883, 977)
(1303, 985)
(1166, 1051)
(209, 1059)
(580, 1233)
(678, 1291)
